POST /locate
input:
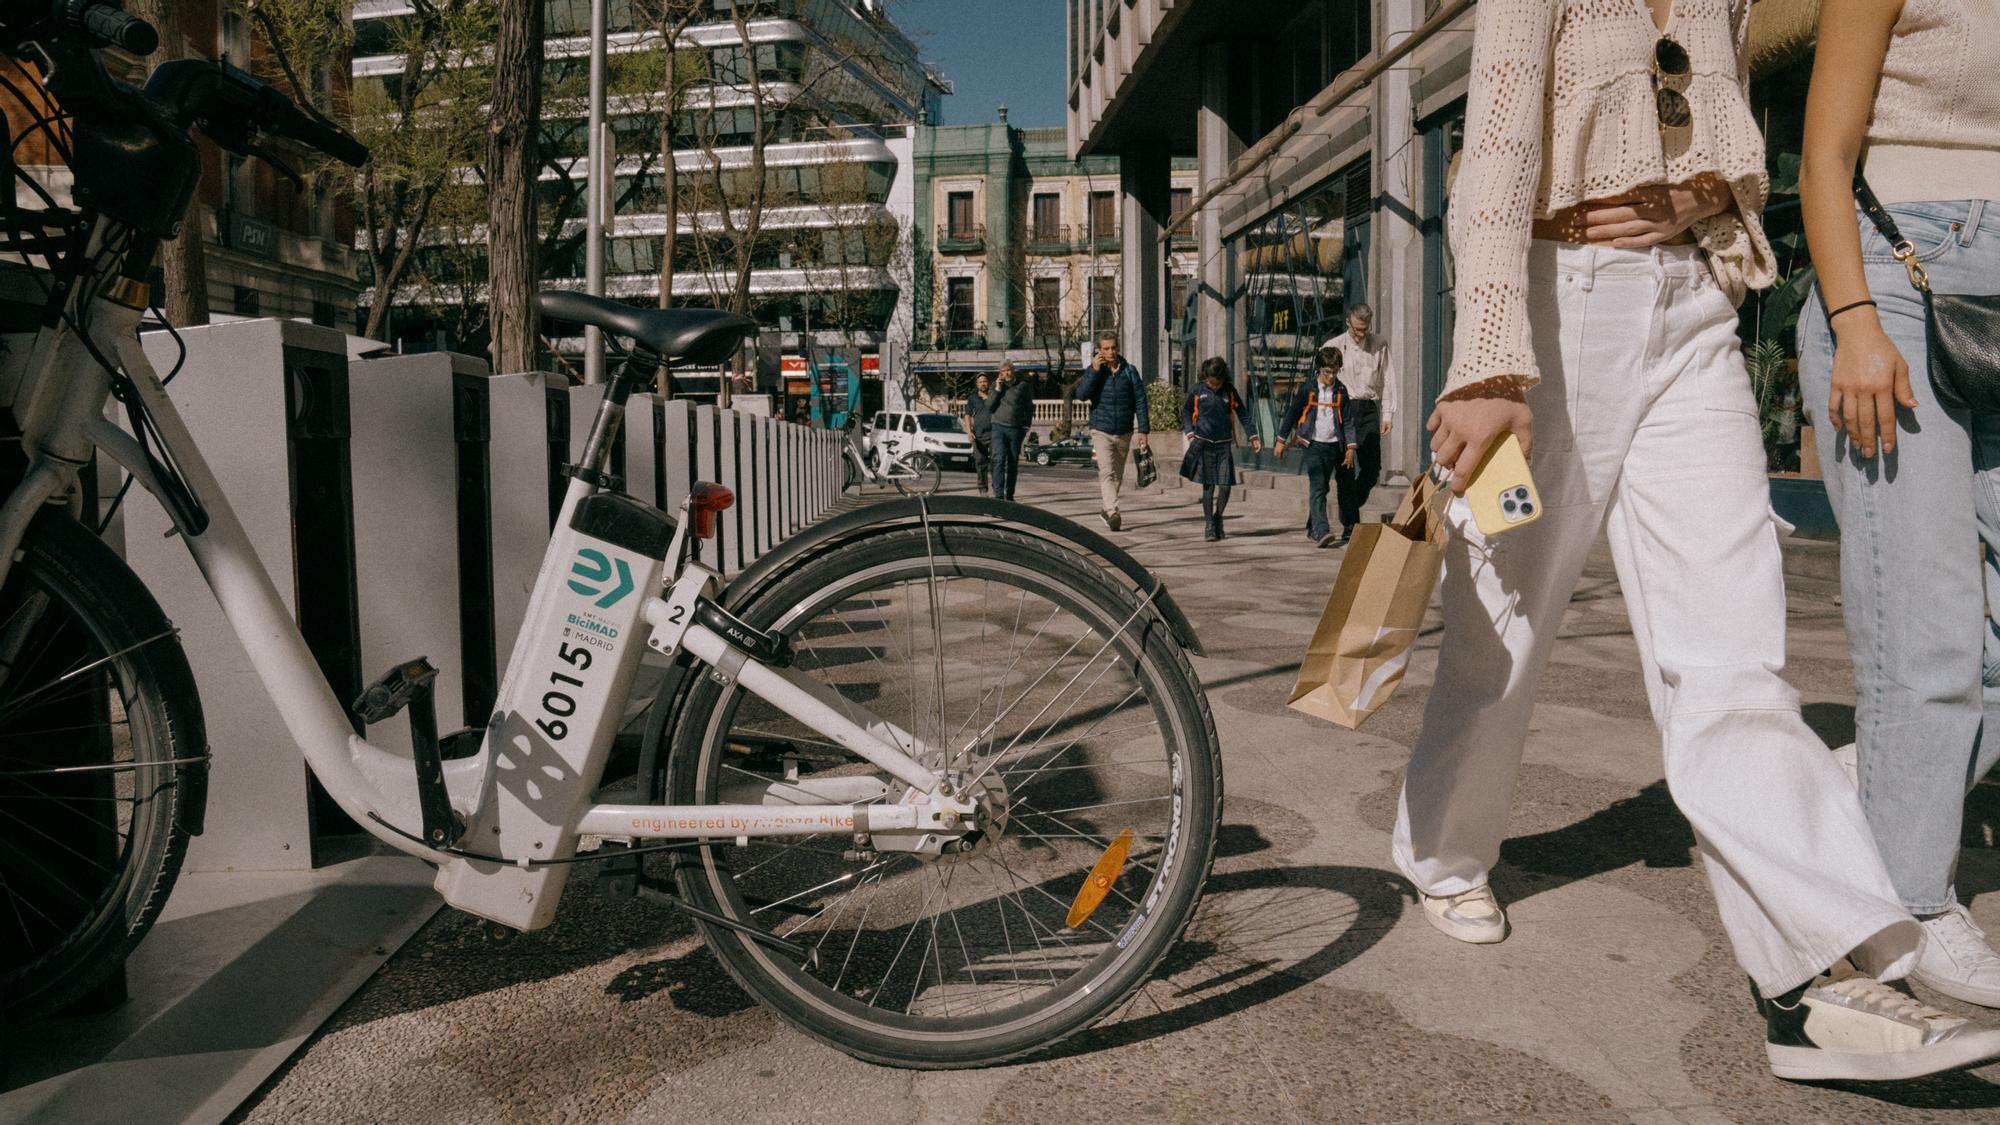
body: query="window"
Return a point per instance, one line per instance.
(1103, 215)
(1182, 199)
(940, 423)
(958, 306)
(1047, 217)
(1177, 297)
(246, 301)
(958, 213)
(909, 423)
(1104, 303)
(1048, 306)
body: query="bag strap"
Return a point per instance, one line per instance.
(1904, 250)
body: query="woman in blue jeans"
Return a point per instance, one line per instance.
(1904, 90)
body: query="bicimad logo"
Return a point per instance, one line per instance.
(595, 570)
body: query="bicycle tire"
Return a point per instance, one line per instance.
(792, 607)
(924, 475)
(95, 609)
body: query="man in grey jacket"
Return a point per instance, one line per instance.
(1118, 418)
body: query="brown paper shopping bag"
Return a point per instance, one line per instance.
(1362, 645)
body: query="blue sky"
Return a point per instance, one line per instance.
(994, 52)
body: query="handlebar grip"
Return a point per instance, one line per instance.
(114, 28)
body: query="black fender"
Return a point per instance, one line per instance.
(664, 715)
(973, 510)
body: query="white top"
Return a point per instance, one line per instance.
(1365, 369)
(1326, 420)
(1935, 132)
(1560, 109)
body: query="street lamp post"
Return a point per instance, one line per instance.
(598, 197)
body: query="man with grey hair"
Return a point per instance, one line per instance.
(1372, 383)
(1118, 418)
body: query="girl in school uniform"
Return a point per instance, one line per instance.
(1208, 422)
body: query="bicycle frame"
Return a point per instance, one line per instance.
(527, 796)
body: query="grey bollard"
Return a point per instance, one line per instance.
(249, 391)
(409, 556)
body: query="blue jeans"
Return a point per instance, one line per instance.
(1919, 531)
(1006, 459)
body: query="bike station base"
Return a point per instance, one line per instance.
(238, 973)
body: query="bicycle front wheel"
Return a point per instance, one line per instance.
(916, 475)
(102, 760)
(1028, 677)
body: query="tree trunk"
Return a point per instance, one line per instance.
(181, 259)
(511, 166)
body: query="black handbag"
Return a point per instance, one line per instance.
(1147, 472)
(1964, 329)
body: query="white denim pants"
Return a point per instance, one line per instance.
(1645, 429)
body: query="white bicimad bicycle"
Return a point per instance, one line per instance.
(939, 786)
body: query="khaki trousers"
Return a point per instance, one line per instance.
(1111, 450)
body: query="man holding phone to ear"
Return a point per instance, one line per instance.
(1118, 418)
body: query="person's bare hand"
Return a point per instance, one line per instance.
(1654, 213)
(1385, 427)
(1278, 450)
(1347, 462)
(1140, 440)
(1464, 429)
(1870, 380)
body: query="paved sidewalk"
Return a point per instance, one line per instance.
(1309, 989)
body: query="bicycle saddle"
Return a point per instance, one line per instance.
(689, 335)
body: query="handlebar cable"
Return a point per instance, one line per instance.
(180, 360)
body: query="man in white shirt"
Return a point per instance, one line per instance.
(1372, 383)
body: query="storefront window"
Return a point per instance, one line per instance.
(1443, 138)
(1296, 268)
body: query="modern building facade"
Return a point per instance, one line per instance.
(1019, 251)
(1327, 134)
(840, 89)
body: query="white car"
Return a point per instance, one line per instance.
(940, 435)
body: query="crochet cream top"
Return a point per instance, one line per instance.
(1935, 131)
(1561, 110)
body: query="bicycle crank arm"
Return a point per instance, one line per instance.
(661, 891)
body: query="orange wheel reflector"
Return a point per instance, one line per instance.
(1109, 866)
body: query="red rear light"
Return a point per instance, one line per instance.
(703, 503)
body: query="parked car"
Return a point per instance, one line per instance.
(940, 435)
(1075, 447)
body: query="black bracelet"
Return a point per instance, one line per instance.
(1845, 307)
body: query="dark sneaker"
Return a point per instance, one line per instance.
(1346, 532)
(1210, 530)
(1215, 527)
(1330, 539)
(1855, 1028)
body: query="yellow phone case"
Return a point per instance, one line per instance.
(1502, 493)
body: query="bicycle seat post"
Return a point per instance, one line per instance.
(611, 412)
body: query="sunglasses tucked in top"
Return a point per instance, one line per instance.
(1570, 100)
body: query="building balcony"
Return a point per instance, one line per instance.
(1052, 241)
(961, 240)
(1103, 243)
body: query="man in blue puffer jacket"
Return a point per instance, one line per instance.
(1118, 408)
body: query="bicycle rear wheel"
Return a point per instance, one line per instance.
(916, 475)
(102, 765)
(1062, 699)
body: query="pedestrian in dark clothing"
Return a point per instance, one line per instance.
(979, 427)
(1208, 418)
(1012, 405)
(1322, 414)
(1119, 410)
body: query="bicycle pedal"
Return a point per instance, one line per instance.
(394, 689)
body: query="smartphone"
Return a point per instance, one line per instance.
(1502, 493)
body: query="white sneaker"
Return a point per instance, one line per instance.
(1859, 1029)
(1957, 960)
(1472, 916)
